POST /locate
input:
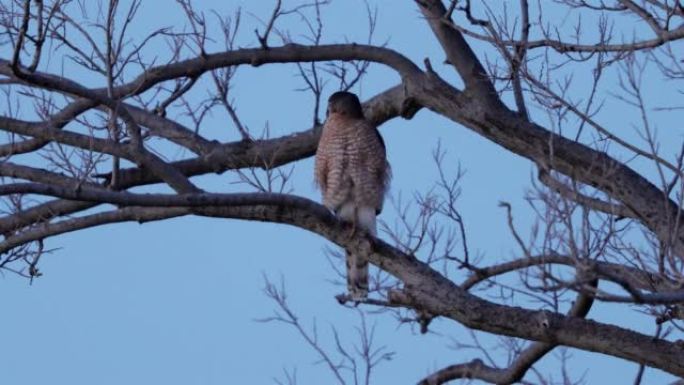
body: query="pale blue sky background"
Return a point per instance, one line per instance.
(174, 302)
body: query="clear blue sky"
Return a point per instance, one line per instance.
(174, 302)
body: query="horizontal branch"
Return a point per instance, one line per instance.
(127, 214)
(22, 147)
(39, 175)
(563, 46)
(634, 278)
(124, 198)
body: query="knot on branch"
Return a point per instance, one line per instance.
(403, 298)
(409, 108)
(256, 61)
(424, 318)
(545, 321)
(671, 313)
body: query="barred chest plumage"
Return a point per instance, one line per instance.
(351, 161)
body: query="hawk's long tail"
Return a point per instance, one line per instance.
(357, 266)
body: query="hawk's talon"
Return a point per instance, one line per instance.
(358, 298)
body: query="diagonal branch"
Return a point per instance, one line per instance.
(645, 15)
(551, 151)
(457, 50)
(517, 369)
(587, 201)
(135, 152)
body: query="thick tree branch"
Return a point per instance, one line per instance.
(429, 291)
(127, 214)
(554, 152)
(90, 193)
(492, 119)
(457, 50)
(266, 154)
(290, 53)
(18, 171)
(21, 147)
(188, 68)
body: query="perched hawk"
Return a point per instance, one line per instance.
(353, 174)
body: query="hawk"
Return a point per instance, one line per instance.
(353, 174)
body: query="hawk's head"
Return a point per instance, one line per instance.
(345, 103)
